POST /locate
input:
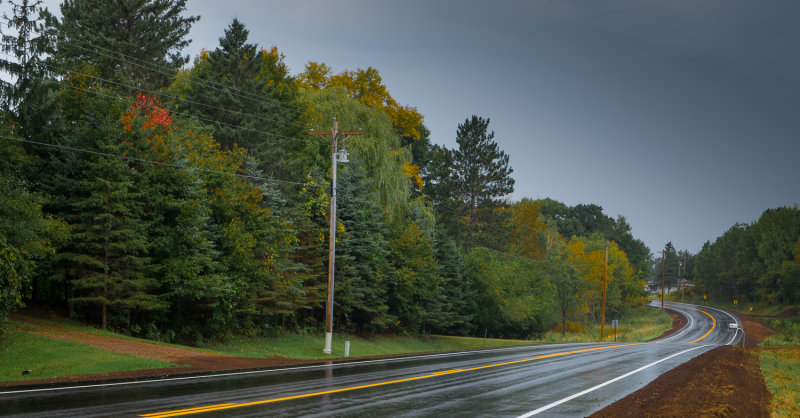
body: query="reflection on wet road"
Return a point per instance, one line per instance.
(557, 379)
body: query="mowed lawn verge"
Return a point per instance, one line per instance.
(27, 356)
(49, 356)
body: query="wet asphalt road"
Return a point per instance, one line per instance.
(545, 380)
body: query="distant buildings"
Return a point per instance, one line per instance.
(654, 286)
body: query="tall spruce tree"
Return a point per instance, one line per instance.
(108, 254)
(480, 169)
(105, 266)
(671, 264)
(248, 97)
(458, 295)
(25, 94)
(133, 42)
(363, 272)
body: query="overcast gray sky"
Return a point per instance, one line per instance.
(682, 116)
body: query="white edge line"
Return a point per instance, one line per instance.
(263, 371)
(736, 320)
(684, 329)
(591, 389)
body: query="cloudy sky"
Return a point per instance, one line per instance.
(682, 116)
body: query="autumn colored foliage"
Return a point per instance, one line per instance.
(194, 205)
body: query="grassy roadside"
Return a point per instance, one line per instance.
(51, 358)
(781, 369)
(48, 358)
(31, 323)
(309, 347)
(779, 354)
(780, 364)
(651, 323)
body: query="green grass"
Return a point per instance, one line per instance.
(309, 347)
(49, 358)
(650, 324)
(780, 362)
(781, 369)
(788, 332)
(26, 322)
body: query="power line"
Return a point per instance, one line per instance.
(97, 93)
(170, 96)
(143, 160)
(188, 115)
(169, 72)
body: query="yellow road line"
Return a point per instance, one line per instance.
(713, 325)
(220, 407)
(192, 410)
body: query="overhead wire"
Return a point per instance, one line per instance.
(188, 115)
(174, 97)
(125, 157)
(162, 94)
(170, 73)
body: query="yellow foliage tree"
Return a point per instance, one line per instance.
(587, 255)
(315, 77)
(527, 229)
(412, 171)
(367, 87)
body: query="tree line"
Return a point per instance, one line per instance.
(753, 264)
(756, 263)
(183, 201)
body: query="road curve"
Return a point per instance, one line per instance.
(544, 380)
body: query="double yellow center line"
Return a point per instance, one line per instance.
(224, 406)
(713, 320)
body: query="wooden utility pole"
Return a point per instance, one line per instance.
(662, 279)
(683, 278)
(603, 310)
(335, 134)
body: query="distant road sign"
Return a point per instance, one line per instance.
(615, 323)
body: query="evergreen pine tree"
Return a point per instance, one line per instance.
(481, 173)
(249, 98)
(108, 253)
(133, 42)
(363, 272)
(26, 94)
(458, 295)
